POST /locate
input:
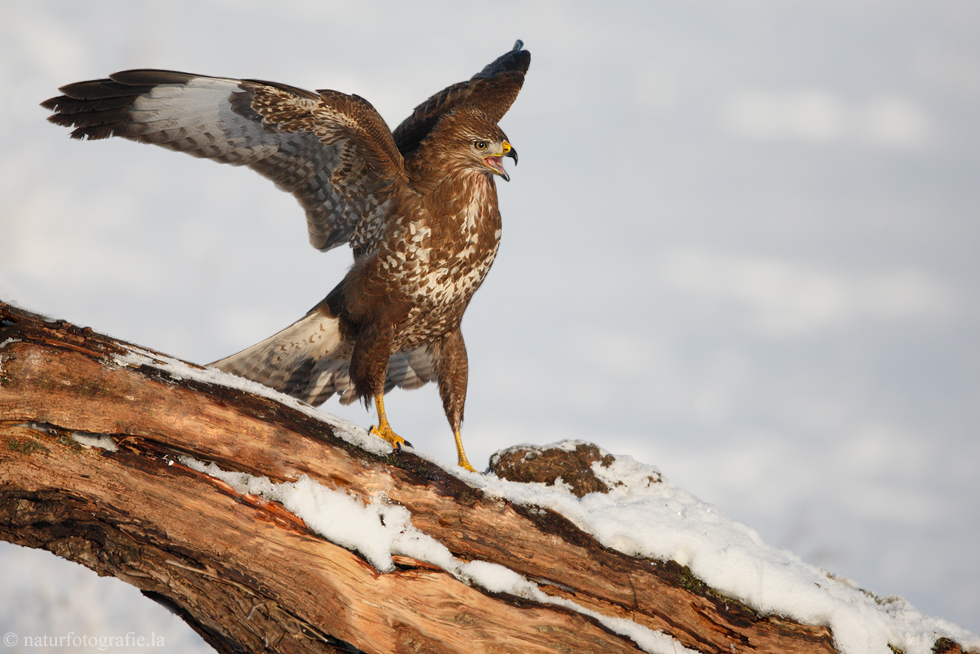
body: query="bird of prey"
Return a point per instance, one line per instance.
(418, 207)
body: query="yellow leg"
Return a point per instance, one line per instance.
(383, 429)
(463, 462)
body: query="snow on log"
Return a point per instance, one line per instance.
(269, 525)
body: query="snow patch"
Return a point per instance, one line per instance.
(371, 529)
(378, 530)
(8, 342)
(648, 516)
(95, 440)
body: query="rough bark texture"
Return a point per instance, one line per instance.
(249, 576)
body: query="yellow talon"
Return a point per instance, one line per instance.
(383, 429)
(463, 462)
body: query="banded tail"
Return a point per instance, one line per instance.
(310, 361)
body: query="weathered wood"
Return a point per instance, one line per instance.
(247, 574)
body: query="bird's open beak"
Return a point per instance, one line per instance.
(495, 162)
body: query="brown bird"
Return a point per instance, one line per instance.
(418, 207)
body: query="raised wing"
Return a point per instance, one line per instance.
(492, 90)
(332, 151)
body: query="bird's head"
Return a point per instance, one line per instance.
(472, 140)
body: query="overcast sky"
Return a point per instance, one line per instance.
(741, 243)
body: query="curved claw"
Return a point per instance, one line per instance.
(463, 461)
(385, 431)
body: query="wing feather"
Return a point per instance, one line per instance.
(492, 90)
(330, 150)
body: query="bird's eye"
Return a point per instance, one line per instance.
(480, 145)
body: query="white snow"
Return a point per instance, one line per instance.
(642, 515)
(371, 529)
(4, 344)
(8, 341)
(95, 440)
(378, 529)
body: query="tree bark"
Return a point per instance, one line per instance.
(250, 576)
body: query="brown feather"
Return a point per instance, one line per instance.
(492, 90)
(418, 207)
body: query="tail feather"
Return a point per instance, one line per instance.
(411, 368)
(311, 362)
(308, 360)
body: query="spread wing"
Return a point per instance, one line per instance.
(492, 90)
(332, 151)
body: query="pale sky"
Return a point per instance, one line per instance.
(741, 243)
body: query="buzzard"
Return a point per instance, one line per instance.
(418, 207)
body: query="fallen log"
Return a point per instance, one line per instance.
(135, 466)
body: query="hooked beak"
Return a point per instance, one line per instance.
(495, 161)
